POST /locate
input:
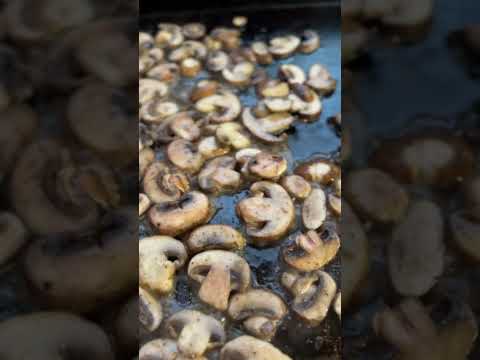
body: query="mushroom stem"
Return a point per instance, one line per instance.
(216, 287)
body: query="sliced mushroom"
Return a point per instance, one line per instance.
(313, 294)
(268, 213)
(221, 107)
(14, 235)
(274, 105)
(190, 67)
(194, 31)
(106, 256)
(177, 217)
(296, 186)
(411, 275)
(149, 89)
(312, 251)
(189, 49)
(284, 46)
(169, 35)
(273, 88)
(292, 73)
(310, 41)
(185, 127)
(267, 166)
(167, 72)
(159, 258)
(260, 49)
(162, 184)
(209, 147)
(441, 160)
(233, 134)
(196, 332)
(144, 204)
(230, 38)
(321, 80)
(260, 311)
(268, 128)
(219, 175)
(215, 237)
(157, 110)
(217, 61)
(314, 210)
(305, 102)
(162, 349)
(203, 89)
(239, 74)
(183, 155)
(465, 229)
(240, 21)
(219, 272)
(150, 312)
(145, 157)
(250, 348)
(321, 171)
(376, 195)
(48, 334)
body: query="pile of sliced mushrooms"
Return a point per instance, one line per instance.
(199, 141)
(410, 216)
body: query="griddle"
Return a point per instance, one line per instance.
(305, 141)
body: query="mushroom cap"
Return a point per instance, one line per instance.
(250, 348)
(150, 313)
(47, 334)
(196, 332)
(159, 258)
(177, 217)
(268, 213)
(261, 311)
(215, 237)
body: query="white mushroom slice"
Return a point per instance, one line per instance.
(233, 134)
(167, 72)
(240, 21)
(217, 61)
(250, 348)
(215, 237)
(156, 110)
(260, 49)
(267, 166)
(337, 305)
(183, 155)
(162, 184)
(266, 128)
(209, 147)
(149, 89)
(219, 175)
(296, 186)
(150, 312)
(314, 210)
(188, 49)
(278, 104)
(306, 102)
(310, 42)
(293, 74)
(240, 74)
(284, 46)
(321, 80)
(273, 88)
(419, 237)
(321, 171)
(194, 31)
(169, 35)
(221, 107)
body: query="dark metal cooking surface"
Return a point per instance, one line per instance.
(305, 141)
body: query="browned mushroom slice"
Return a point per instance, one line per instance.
(250, 348)
(217, 61)
(296, 186)
(321, 171)
(292, 73)
(321, 80)
(268, 213)
(312, 251)
(314, 210)
(159, 258)
(162, 184)
(190, 67)
(209, 147)
(232, 134)
(162, 349)
(177, 217)
(167, 72)
(239, 74)
(267, 166)
(185, 127)
(203, 89)
(157, 110)
(284, 46)
(224, 106)
(183, 155)
(215, 237)
(219, 175)
(260, 49)
(194, 31)
(150, 312)
(376, 195)
(13, 234)
(305, 102)
(313, 294)
(188, 49)
(440, 160)
(270, 128)
(219, 273)
(149, 89)
(272, 88)
(169, 35)
(310, 41)
(48, 334)
(335, 204)
(196, 332)
(260, 311)
(411, 275)
(230, 38)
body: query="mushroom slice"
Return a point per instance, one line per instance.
(203, 89)
(355, 254)
(144, 204)
(215, 237)
(284, 46)
(219, 175)
(194, 31)
(183, 155)
(48, 334)
(240, 21)
(145, 157)
(268, 213)
(312, 251)
(313, 294)
(221, 107)
(321, 171)
(310, 41)
(314, 210)
(239, 74)
(291, 73)
(190, 67)
(376, 195)
(161, 184)
(305, 102)
(217, 61)
(162, 349)
(150, 312)
(209, 148)
(296, 186)
(260, 311)
(196, 332)
(267, 166)
(159, 258)
(411, 275)
(149, 89)
(233, 135)
(321, 80)
(260, 49)
(14, 235)
(188, 49)
(278, 104)
(145, 42)
(219, 272)
(177, 217)
(438, 160)
(230, 38)
(185, 127)
(157, 110)
(169, 35)
(273, 88)
(465, 230)
(266, 128)
(250, 348)
(167, 72)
